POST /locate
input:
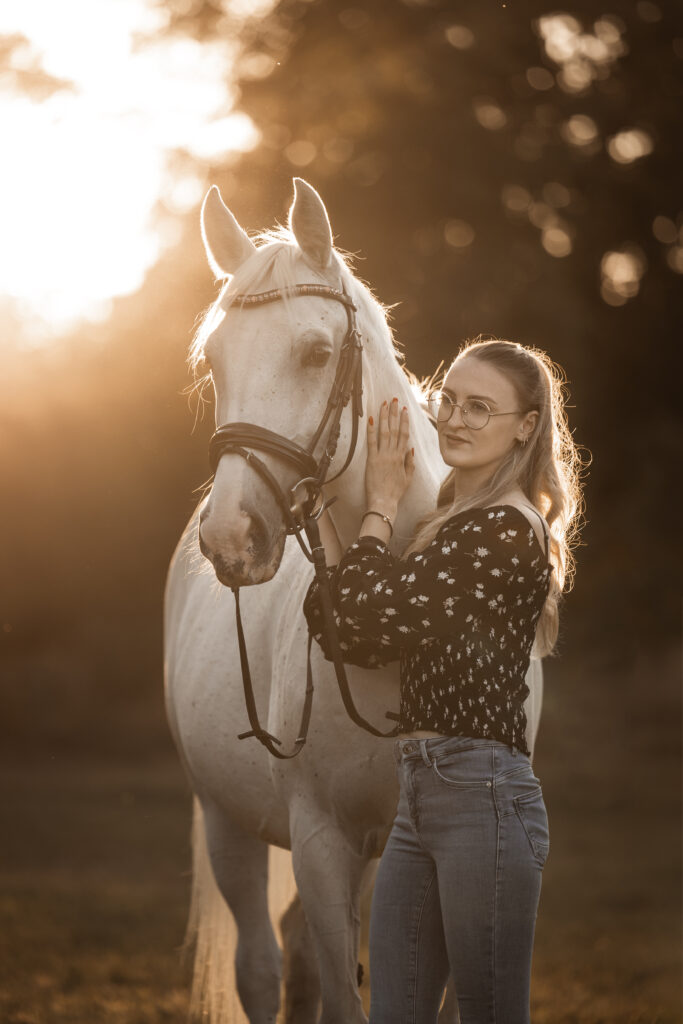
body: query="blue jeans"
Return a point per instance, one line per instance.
(458, 884)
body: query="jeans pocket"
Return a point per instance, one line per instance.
(459, 775)
(530, 808)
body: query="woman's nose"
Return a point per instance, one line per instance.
(456, 408)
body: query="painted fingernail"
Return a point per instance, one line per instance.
(384, 403)
(394, 399)
(412, 450)
(404, 408)
(371, 422)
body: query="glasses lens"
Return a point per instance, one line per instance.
(440, 405)
(475, 414)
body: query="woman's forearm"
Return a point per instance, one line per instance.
(329, 539)
(372, 525)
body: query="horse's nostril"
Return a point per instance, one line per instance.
(229, 573)
(258, 532)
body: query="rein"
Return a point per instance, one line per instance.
(240, 439)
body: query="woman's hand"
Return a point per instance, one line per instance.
(391, 463)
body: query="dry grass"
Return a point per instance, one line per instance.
(95, 862)
(95, 869)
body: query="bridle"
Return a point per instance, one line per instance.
(231, 437)
(242, 438)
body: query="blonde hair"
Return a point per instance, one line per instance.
(547, 468)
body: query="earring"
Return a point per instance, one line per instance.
(524, 441)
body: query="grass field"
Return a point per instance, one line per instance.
(95, 863)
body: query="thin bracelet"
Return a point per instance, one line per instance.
(387, 520)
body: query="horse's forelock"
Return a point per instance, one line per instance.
(275, 264)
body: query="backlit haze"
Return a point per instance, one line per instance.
(94, 107)
(110, 124)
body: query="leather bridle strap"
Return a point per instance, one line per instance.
(328, 616)
(348, 383)
(266, 738)
(240, 438)
(231, 434)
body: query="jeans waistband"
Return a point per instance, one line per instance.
(410, 749)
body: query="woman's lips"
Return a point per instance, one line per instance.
(453, 439)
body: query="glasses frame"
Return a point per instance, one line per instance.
(462, 406)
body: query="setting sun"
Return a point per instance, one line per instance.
(90, 119)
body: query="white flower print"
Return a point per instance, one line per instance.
(494, 631)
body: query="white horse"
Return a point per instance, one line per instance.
(334, 803)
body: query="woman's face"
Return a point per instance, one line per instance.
(481, 450)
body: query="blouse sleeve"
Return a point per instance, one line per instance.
(357, 647)
(432, 593)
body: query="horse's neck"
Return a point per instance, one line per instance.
(386, 382)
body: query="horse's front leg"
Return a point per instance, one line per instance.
(328, 874)
(240, 868)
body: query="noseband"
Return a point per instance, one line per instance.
(242, 438)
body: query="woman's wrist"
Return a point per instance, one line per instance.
(376, 524)
(384, 507)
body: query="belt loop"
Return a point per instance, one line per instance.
(423, 751)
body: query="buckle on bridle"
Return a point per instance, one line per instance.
(300, 508)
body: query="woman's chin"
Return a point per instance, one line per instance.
(456, 455)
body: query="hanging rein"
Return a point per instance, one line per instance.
(297, 510)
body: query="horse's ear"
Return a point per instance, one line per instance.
(310, 225)
(227, 244)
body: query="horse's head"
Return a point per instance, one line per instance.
(272, 365)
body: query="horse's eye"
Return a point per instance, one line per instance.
(317, 357)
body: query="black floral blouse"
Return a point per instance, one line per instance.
(460, 616)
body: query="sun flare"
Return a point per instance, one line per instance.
(91, 116)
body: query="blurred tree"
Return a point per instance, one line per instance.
(514, 173)
(503, 171)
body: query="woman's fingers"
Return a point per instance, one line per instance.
(404, 429)
(391, 429)
(393, 419)
(384, 427)
(391, 462)
(372, 434)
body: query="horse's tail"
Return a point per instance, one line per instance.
(211, 929)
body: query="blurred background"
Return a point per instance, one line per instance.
(499, 168)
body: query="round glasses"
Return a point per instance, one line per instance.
(475, 412)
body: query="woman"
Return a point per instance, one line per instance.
(459, 881)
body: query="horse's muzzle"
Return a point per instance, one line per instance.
(253, 559)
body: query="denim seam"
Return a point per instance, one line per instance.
(539, 850)
(483, 784)
(416, 945)
(495, 891)
(494, 944)
(413, 802)
(512, 772)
